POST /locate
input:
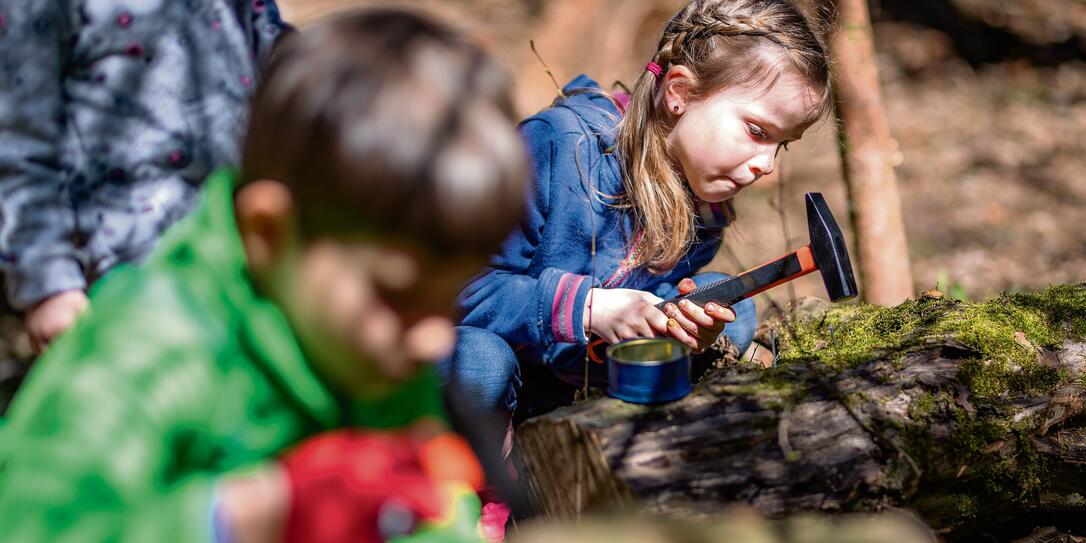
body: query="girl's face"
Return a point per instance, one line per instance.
(729, 139)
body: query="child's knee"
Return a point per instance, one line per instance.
(486, 366)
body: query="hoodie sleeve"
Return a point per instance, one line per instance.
(119, 455)
(265, 27)
(538, 309)
(36, 218)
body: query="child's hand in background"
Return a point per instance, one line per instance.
(52, 316)
(693, 325)
(615, 314)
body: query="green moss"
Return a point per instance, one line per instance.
(774, 389)
(1006, 332)
(922, 407)
(950, 508)
(845, 336)
(1063, 306)
(975, 435)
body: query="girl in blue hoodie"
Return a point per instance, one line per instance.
(630, 200)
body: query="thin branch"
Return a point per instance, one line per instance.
(782, 212)
(546, 68)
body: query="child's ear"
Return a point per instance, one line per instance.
(265, 217)
(678, 82)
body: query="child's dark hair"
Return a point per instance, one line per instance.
(726, 44)
(386, 123)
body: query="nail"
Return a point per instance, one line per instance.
(673, 323)
(711, 307)
(684, 303)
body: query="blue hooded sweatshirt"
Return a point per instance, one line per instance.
(534, 291)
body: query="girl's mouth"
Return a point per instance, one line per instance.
(740, 184)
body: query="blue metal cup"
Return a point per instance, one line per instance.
(648, 370)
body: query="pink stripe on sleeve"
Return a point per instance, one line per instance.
(556, 321)
(567, 308)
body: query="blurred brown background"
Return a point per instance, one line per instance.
(986, 101)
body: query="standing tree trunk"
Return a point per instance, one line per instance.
(885, 274)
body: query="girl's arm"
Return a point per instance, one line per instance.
(546, 307)
(36, 220)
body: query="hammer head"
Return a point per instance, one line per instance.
(830, 251)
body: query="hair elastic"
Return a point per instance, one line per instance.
(654, 68)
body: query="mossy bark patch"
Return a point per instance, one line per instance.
(1009, 334)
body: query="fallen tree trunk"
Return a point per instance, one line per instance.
(968, 413)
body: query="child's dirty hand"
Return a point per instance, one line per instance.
(615, 314)
(696, 326)
(52, 316)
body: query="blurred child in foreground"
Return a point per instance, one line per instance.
(201, 396)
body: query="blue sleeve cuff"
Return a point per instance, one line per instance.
(32, 282)
(567, 308)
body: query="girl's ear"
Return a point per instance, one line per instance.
(678, 82)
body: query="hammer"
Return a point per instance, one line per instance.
(826, 253)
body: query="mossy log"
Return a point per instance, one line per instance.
(970, 414)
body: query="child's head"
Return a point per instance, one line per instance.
(381, 167)
(739, 79)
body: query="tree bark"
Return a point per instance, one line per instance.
(898, 430)
(867, 151)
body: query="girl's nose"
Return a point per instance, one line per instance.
(761, 164)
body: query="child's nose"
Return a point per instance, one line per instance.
(761, 164)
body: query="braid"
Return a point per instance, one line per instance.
(704, 25)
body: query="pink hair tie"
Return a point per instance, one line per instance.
(654, 68)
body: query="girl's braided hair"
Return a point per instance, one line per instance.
(725, 44)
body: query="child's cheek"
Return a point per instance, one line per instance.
(378, 337)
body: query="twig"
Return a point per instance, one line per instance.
(773, 345)
(531, 43)
(782, 212)
(782, 438)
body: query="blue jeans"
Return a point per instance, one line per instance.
(493, 373)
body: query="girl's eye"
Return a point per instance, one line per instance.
(757, 131)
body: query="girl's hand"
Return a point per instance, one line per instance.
(616, 314)
(697, 327)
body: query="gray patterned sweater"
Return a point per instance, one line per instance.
(112, 112)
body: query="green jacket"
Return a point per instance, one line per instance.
(178, 373)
